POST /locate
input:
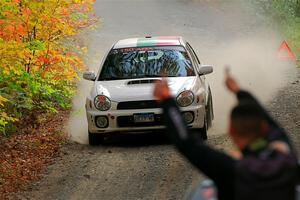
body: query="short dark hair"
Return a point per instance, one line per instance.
(248, 115)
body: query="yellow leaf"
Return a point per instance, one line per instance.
(84, 49)
(6, 72)
(2, 100)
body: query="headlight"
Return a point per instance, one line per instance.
(101, 121)
(102, 102)
(185, 98)
(188, 117)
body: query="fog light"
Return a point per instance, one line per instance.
(188, 117)
(102, 121)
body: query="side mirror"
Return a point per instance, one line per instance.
(205, 69)
(91, 76)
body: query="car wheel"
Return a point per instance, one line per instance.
(209, 111)
(203, 131)
(95, 139)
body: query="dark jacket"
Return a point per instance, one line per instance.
(264, 172)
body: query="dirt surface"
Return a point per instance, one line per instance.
(141, 166)
(146, 166)
(125, 167)
(285, 108)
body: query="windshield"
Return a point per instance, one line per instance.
(130, 63)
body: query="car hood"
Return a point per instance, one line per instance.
(120, 90)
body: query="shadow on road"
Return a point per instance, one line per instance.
(136, 139)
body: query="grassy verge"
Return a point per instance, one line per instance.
(292, 32)
(286, 15)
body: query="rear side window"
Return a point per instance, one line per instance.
(130, 63)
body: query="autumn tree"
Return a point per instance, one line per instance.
(37, 70)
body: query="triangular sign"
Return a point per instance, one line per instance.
(285, 52)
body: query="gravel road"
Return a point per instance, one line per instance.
(146, 166)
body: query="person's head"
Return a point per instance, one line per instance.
(247, 123)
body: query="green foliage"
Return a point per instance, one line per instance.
(28, 92)
(4, 118)
(36, 45)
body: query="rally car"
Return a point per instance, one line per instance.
(121, 99)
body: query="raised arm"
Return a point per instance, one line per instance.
(215, 164)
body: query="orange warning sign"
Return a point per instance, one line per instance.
(285, 52)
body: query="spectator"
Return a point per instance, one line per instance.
(267, 168)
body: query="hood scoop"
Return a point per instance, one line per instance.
(143, 81)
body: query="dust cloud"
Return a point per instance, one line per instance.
(254, 63)
(77, 127)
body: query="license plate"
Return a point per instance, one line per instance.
(143, 117)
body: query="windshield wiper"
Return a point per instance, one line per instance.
(158, 76)
(110, 79)
(120, 78)
(136, 77)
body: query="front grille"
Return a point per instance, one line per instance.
(127, 105)
(127, 121)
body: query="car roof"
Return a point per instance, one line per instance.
(149, 41)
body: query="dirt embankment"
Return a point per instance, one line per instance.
(25, 154)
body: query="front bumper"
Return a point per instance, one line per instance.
(122, 120)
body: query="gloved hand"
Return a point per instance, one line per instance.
(161, 90)
(230, 82)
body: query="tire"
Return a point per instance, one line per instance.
(209, 115)
(95, 139)
(209, 110)
(203, 131)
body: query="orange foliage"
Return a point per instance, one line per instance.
(39, 26)
(35, 63)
